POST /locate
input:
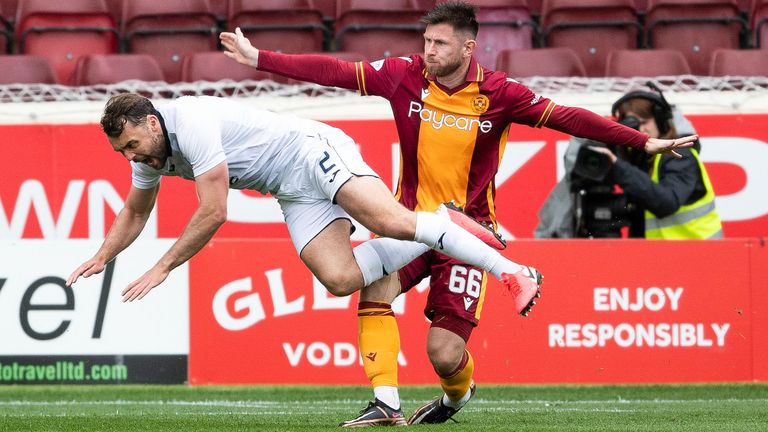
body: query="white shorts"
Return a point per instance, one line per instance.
(307, 193)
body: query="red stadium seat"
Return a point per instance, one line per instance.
(592, 28)
(327, 7)
(738, 62)
(114, 68)
(504, 24)
(646, 63)
(26, 69)
(291, 26)
(379, 29)
(8, 9)
(169, 30)
(694, 27)
(759, 23)
(215, 66)
(553, 62)
(64, 31)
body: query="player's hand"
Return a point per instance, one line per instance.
(605, 151)
(655, 145)
(239, 48)
(137, 289)
(91, 267)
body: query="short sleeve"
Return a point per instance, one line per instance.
(144, 177)
(199, 139)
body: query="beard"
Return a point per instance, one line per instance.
(443, 70)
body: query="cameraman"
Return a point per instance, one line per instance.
(676, 194)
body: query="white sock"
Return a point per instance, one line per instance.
(389, 395)
(446, 237)
(458, 404)
(381, 256)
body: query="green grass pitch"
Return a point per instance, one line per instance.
(698, 408)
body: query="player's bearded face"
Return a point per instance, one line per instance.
(442, 50)
(142, 143)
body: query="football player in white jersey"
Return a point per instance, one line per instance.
(317, 175)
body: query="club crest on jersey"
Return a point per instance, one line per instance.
(480, 104)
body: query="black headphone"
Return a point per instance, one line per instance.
(662, 111)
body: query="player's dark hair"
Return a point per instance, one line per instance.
(459, 15)
(122, 108)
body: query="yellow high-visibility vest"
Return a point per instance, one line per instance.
(698, 220)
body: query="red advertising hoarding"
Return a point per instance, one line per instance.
(611, 311)
(64, 181)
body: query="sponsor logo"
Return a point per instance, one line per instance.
(424, 93)
(480, 104)
(535, 100)
(377, 65)
(439, 119)
(371, 356)
(440, 241)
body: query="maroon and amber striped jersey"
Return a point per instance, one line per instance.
(451, 140)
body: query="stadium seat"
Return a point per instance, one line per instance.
(328, 9)
(215, 66)
(114, 68)
(8, 9)
(553, 62)
(379, 29)
(646, 63)
(592, 28)
(26, 69)
(169, 30)
(694, 27)
(291, 26)
(759, 23)
(739, 62)
(504, 24)
(64, 31)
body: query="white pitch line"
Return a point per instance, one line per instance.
(277, 404)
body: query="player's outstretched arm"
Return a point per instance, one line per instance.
(126, 227)
(212, 188)
(656, 145)
(239, 48)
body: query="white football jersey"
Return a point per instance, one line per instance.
(258, 145)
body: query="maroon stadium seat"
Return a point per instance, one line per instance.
(64, 31)
(556, 62)
(114, 68)
(327, 7)
(759, 23)
(592, 28)
(169, 30)
(215, 66)
(26, 69)
(504, 24)
(739, 62)
(646, 63)
(8, 9)
(291, 26)
(694, 27)
(380, 29)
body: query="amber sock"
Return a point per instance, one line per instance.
(456, 384)
(379, 347)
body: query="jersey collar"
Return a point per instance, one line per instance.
(165, 133)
